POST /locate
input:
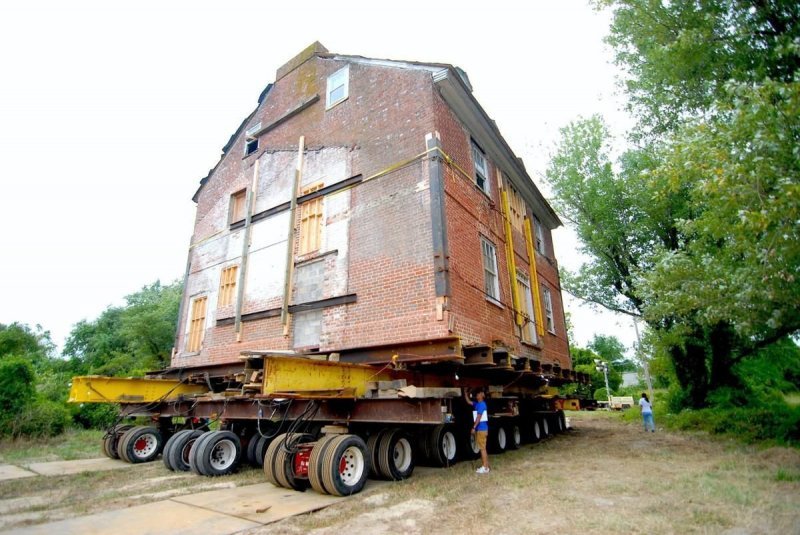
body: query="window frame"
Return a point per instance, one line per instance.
(548, 311)
(233, 204)
(541, 244)
(227, 286)
(250, 146)
(482, 170)
(311, 209)
(330, 88)
(530, 327)
(487, 245)
(195, 335)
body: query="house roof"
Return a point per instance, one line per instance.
(456, 89)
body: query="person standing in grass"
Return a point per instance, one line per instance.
(646, 408)
(480, 427)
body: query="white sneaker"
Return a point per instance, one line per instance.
(482, 470)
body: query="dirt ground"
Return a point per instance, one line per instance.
(603, 476)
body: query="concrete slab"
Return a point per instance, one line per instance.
(9, 471)
(262, 503)
(60, 468)
(152, 518)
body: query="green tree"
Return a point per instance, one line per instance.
(20, 340)
(131, 339)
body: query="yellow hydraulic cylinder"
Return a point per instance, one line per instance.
(287, 377)
(99, 389)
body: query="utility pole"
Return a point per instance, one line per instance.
(643, 359)
(603, 367)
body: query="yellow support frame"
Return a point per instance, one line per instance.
(289, 377)
(99, 389)
(510, 261)
(537, 300)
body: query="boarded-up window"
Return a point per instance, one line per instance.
(516, 205)
(227, 286)
(311, 221)
(237, 208)
(548, 310)
(197, 323)
(529, 328)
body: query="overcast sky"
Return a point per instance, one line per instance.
(111, 112)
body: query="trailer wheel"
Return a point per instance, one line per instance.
(561, 419)
(180, 452)
(165, 458)
(219, 454)
(513, 436)
(250, 452)
(373, 446)
(470, 449)
(545, 427)
(315, 463)
(269, 459)
(111, 440)
(345, 466)
(536, 431)
(195, 461)
(442, 445)
(261, 449)
(140, 444)
(498, 440)
(395, 455)
(284, 462)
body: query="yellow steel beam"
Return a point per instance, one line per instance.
(534, 278)
(510, 260)
(286, 375)
(99, 389)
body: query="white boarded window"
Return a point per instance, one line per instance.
(338, 87)
(491, 282)
(548, 310)
(529, 329)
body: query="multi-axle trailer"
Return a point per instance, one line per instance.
(312, 421)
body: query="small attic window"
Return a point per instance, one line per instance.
(338, 87)
(250, 146)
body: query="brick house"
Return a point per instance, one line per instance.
(371, 208)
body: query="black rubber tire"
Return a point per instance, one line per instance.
(250, 455)
(373, 445)
(195, 464)
(513, 435)
(123, 439)
(111, 440)
(261, 449)
(497, 441)
(536, 431)
(140, 444)
(181, 451)
(442, 445)
(284, 462)
(468, 445)
(269, 459)
(350, 451)
(219, 454)
(395, 455)
(562, 421)
(165, 458)
(315, 467)
(545, 425)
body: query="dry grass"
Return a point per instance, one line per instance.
(604, 476)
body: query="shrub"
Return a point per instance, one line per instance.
(16, 386)
(601, 394)
(96, 415)
(41, 418)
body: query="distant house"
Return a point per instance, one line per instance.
(372, 208)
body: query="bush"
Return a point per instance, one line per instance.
(601, 394)
(16, 386)
(41, 418)
(96, 415)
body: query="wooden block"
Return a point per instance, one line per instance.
(412, 391)
(387, 393)
(397, 383)
(372, 385)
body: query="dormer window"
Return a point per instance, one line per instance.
(481, 168)
(338, 87)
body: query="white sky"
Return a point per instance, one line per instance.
(111, 112)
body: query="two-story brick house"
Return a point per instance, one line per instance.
(372, 208)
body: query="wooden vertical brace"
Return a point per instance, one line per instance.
(512, 265)
(537, 300)
(250, 204)
(287, 287)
